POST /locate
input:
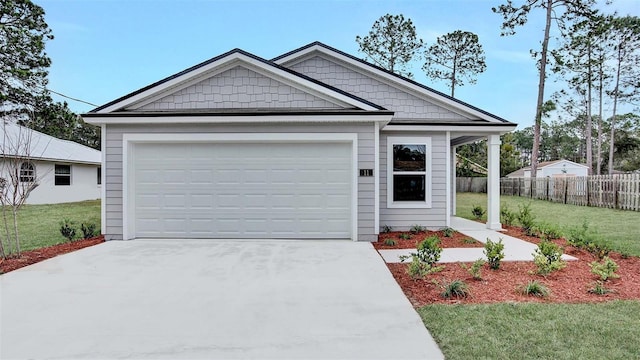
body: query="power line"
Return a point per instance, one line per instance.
(71, 98)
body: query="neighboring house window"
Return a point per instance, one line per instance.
(408, 172)
(99, 175)
(63, 174)
(27, 172)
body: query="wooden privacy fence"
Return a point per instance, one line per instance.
(608, 191)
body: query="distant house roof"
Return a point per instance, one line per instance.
(19, 141)
(520, 172)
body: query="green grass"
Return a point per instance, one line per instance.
(39, 225)
(621, 228)
(536, 331)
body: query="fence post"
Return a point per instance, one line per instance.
(615, 193)
(588, 191)
(566, 189)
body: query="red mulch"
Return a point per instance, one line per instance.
(569, 285)
(455, 241)
(34, 256)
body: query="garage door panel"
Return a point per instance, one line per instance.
(243, 190)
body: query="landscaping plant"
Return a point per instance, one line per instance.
(429, 250)
(547, 258)
(390, 242)
(534, 288)
(477, 212)
(404, 236)
(454, 289)
(547, 231)
(447, 232)
(88, 230)
(386, 229)
(526, 219)
(416, 229)
(507, 216)
(606, 269)
(475, 269)
(67, 229)
(494, 251)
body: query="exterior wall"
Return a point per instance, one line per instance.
(434, 217)
(558, 169)
(238, 88)
(404, 104)
(113, 171)
(84, 184)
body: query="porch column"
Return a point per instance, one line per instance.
(493, 182)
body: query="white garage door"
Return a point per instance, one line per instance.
(242, 190)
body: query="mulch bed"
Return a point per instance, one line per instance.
(34, 256)
(457, 240)
(569, 285)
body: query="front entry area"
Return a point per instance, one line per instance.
(244, 189)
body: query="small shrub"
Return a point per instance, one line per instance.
(494, 251)
(386, 229)
(416, 229)
(429, 250)
(468, 241)
(548, 231)
(599, 249)
(454, 289)
(507, 216)
(599, 289)
(475, 269)
(534, 288)
(390, 242)
(67, 229)
(88, 230)
(526, 219)
(418, 269)
(477, 212)
(581, 236)
(547, 258)
(404, 236)
(447, 231)
(606, 269)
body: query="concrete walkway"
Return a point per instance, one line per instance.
(514, 249)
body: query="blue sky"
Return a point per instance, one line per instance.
(104, 49)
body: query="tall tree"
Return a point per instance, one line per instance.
(23, 61)
(455, 57)
(392, 43)
(625, 37)
(562, 11)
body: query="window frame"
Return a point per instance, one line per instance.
(56, 175)
(22, 174)
(409, 140)
(99, 175)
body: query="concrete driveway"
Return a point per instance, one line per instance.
(150, 299)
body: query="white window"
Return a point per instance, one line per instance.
(27, 172)
(62, 175)
(408, 172)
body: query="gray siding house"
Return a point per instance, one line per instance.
(313, 144)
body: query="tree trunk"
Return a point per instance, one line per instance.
(535, 153)
(15, 230)
(615, 106)
(589, 120)
(600, 91)
(453, 77)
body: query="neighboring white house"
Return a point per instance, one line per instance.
(314, 144)
(64, 171)
(556, 168)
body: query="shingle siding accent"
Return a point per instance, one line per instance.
(404, 104)
(114, 172)
(434, 217)
(238, 88)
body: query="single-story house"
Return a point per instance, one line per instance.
(313, 144)
(56, 170)
(555, 168)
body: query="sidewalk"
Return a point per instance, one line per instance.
(514, 249)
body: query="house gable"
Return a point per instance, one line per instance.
(412, 102)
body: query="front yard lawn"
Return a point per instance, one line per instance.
(39, 225)
(536, 331)
(619, 227)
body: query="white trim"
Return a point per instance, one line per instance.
(493, 182)
(128, 153)
(235, 57)
(103, 184)
(217, 119)
(449, 169)
(417, 140)
(454, 184)
(376, 175)
(452, 128)
(389, 79)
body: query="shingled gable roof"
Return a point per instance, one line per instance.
(232, 55)
(436, 95)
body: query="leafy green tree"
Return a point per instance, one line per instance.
(57, 120)
(455, 57)
(392, 43)
(560, 11)
(23, 61)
